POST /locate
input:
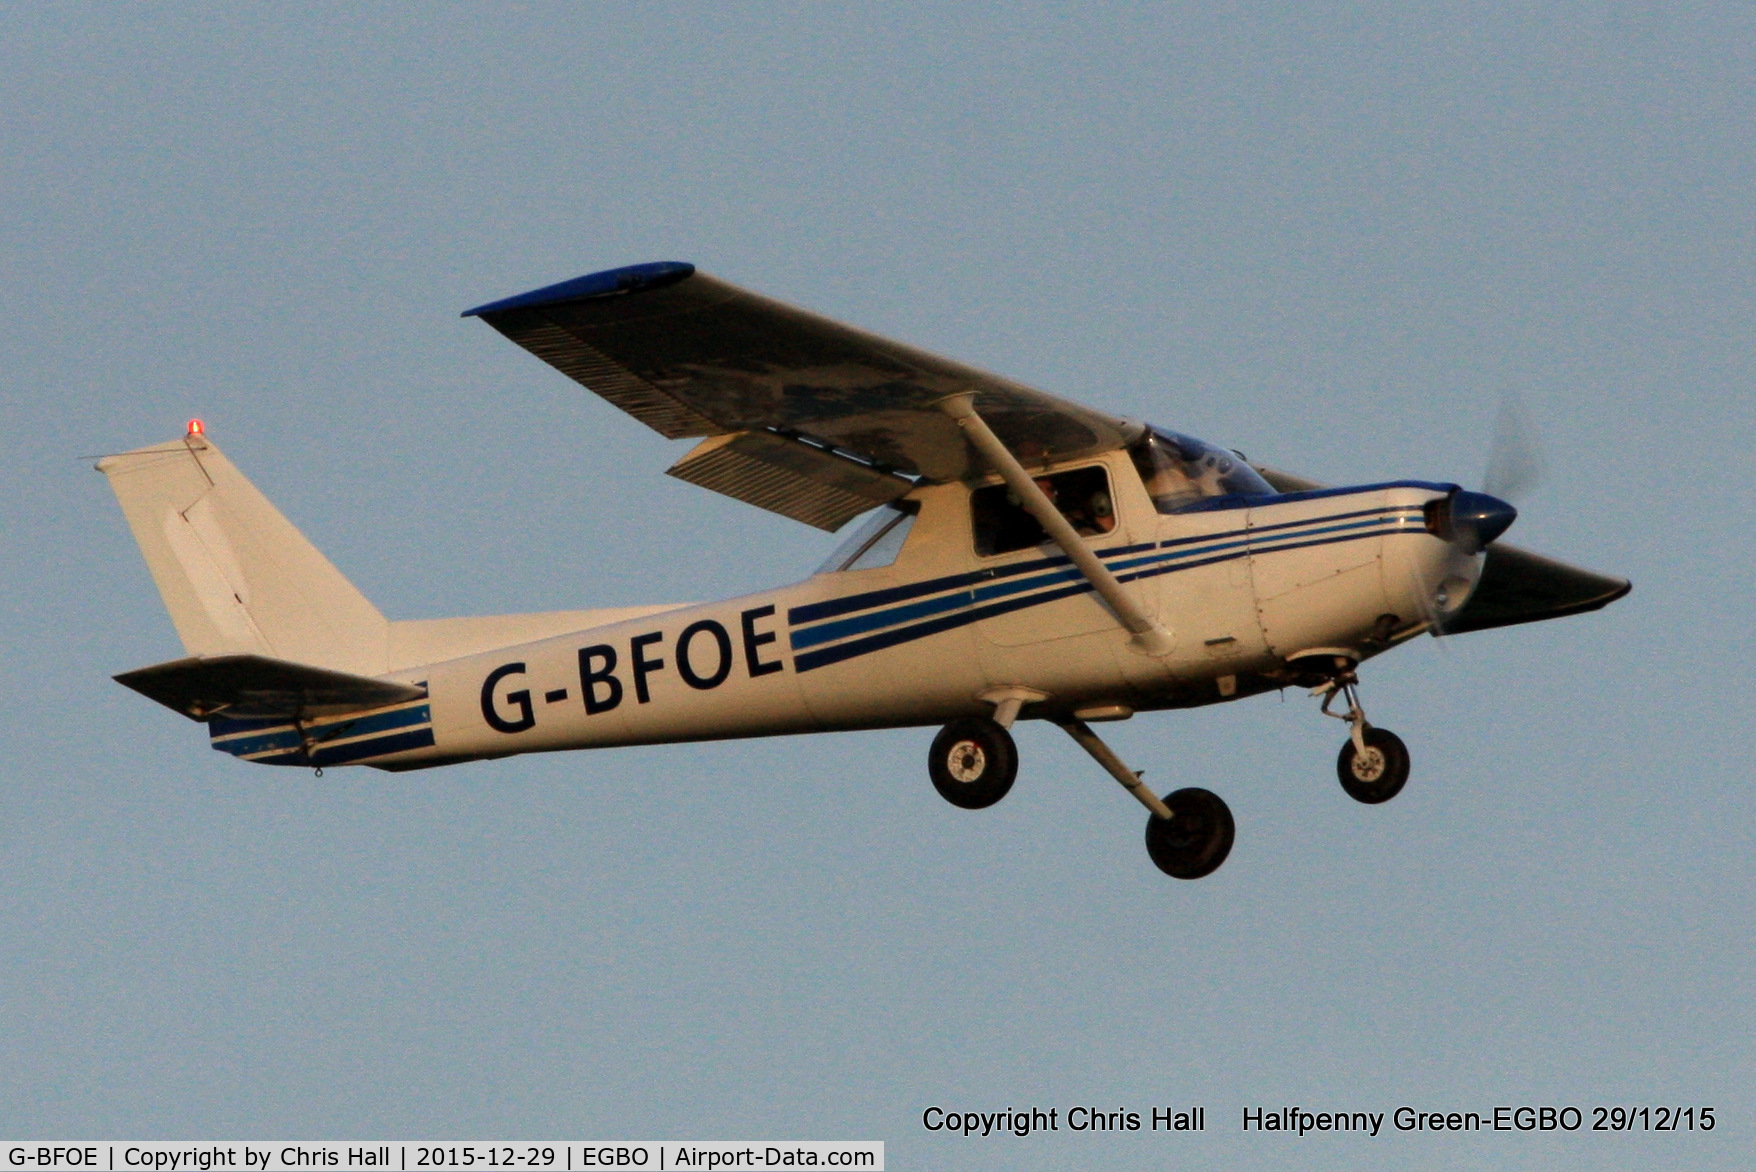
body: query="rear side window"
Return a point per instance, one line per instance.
(876, 542)
(1001, 524)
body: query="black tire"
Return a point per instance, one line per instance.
(1198, 837)
(972, 763)
(1380, 774)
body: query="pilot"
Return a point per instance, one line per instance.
(1173, 481)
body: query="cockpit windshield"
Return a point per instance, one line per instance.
(1182, 473)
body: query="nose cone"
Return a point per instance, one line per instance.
(1479, 518)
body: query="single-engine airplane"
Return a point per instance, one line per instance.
(1022, 556)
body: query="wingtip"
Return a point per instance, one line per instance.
(639, 278)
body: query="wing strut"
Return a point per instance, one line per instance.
(1149, 637)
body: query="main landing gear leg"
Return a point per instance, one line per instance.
(1374, 763)
(1190, 831)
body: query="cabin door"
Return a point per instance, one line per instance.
(1030, 591)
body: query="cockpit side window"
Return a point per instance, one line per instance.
(1182, 473)
(1001, 524)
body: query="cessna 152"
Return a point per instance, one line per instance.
(1023, 557)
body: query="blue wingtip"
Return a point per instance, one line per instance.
(629, 279)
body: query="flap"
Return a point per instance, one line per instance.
(790, 477)
(691, 355)
(257, 686)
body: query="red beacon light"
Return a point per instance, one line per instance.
(196, 428)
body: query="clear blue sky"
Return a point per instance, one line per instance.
(1329, 237)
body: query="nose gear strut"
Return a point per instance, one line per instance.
(1374, 763)
(1344, 681)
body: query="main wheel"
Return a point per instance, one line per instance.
(1197, 838)
(1378, 774)
(973, 762)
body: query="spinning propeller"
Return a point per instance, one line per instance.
(1472, 520)
(1515, 460)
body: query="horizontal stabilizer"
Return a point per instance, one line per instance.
(1518, 586)
(254, 686)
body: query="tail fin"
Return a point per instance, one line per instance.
(235, 574)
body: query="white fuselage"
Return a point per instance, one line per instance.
(1242, 590)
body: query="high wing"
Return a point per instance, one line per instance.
(805, 416)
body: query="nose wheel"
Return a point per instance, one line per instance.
(1379, 772)
(1373, 765)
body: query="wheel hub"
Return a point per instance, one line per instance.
(966, 761)
(972, 763)
(1369, 766)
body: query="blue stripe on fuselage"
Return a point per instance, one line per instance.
(830, 607)
(828, 632)
(848, 604)
(1183, 553)
(856, 647)
(247, 738)
(399, 742)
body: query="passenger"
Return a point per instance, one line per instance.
(1103, 514)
